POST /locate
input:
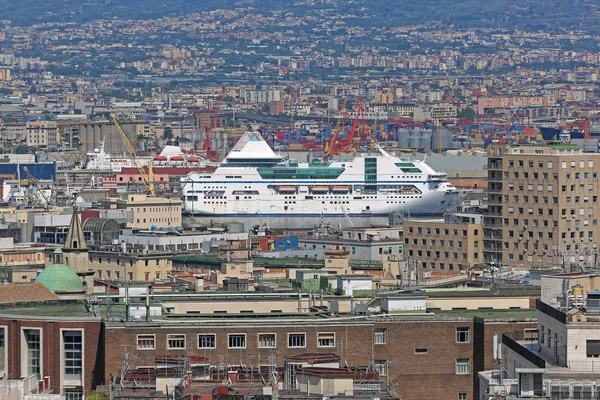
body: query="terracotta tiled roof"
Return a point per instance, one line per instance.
(26, 292)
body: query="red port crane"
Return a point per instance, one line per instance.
(213, 121)
(358, 111)
(586, 135)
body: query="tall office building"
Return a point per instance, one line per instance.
(543, 206)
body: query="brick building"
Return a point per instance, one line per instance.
(440, 356)
(64, 345)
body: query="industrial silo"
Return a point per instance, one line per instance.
(403, 138)
(414, 139)
(425, 141)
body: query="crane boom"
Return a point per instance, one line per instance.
(330, 147)
(37, 186)
(213, 120)
(359, 112)
(131, 150)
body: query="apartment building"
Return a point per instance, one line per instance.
(487, 103)
(148, 212)
(543, 205)
(560, 363)
(132, 265)
(41, 134)
(440, 246)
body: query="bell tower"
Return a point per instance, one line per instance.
(75, 249)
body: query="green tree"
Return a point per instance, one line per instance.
(20, 149)
(168, 133)
(467, 113)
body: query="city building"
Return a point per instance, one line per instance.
(128, 263)
(543, 206)
(41, 134)
(148, 212)
(442, 247)
(559, 361)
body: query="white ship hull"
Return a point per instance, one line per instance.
(365, 186)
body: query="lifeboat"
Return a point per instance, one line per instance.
(340, 188)
(286, 189)
(319, 189)
(193, 159)
(176, 158)
(160, 158)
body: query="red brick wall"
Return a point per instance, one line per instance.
(51, 350)
(415, 376)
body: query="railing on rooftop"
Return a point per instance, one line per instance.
(550, 311)
(523, 351)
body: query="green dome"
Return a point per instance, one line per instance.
(60, 278)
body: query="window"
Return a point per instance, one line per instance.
(207, 341)
(237, 341)
(73, 353)
(296, 340)
(463, 366)
(325, 339)
(463, 334)
(381, 367)
(32, 353)
(421, 350)
(463, 396)
(3, 349)
(146, 342)
(380, 336)
(176, 342)
(266, 341)
(592, 348)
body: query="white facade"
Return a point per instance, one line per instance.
(403, 303)
(348, 284)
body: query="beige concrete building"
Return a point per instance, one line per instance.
(443, 247)
(5, 74)
(129, 266)
(543, 206)
(487, 103)
(41, 134)
(147, 211)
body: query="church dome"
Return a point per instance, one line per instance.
(60, 278)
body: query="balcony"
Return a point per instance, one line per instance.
(494, 203)
(494, 166)
(492, 236)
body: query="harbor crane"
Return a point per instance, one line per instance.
(36, 184)
(147, 177)
(358, 112)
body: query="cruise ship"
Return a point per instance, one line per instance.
(254, 181)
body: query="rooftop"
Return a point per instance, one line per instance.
(25, 293)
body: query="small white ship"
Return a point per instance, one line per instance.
(171, 156)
